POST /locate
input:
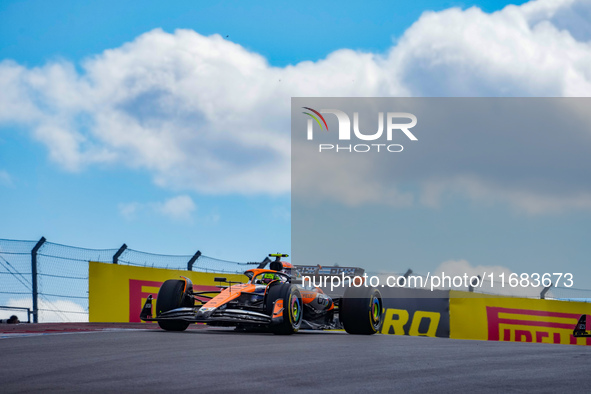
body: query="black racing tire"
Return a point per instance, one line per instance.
(293, 308)
(360, 310)
(170, 296)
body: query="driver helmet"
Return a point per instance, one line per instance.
(269, 277)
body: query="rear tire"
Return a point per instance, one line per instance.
(360, 310)
(292, 308)
(170, 296)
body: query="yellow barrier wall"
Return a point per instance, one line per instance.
(395, 321)
(116, 293)
(497, 318)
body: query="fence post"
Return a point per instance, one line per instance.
(406, 275)
(34, 278)
(544, 291)
(119, 253)
(472, 284)
(192, 261)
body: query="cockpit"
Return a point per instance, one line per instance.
(264, 278)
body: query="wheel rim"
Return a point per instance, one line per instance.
(375, 311)
(295, 310)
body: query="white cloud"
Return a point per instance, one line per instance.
(129, 210)
(459, 268)
(517, 51)
(198, 112)
(281, 212)
(522, 200)
(5, 178)
(457, 275)
(349, 180)
(50, 311)
(205, 114)
(178, 208)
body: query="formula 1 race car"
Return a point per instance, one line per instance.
(273, 300)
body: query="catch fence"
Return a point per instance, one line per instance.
(43, 281)
(48, 282)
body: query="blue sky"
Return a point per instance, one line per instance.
(176, 140)
(81, 208)
(33, 32)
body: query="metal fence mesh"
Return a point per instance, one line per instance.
(137, 258)
(497, 287)
(62, 276)
(63, 280)
(15, 267)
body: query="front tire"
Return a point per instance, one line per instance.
(293, 308)
(360, 310)
(171, 296)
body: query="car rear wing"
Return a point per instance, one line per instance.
(318, 270)
(332, 280)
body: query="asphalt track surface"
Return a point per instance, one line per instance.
(214, 360)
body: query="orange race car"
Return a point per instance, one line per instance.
(273, 299)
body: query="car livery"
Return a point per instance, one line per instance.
(272, 299)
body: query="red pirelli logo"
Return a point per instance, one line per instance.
(525, 325)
